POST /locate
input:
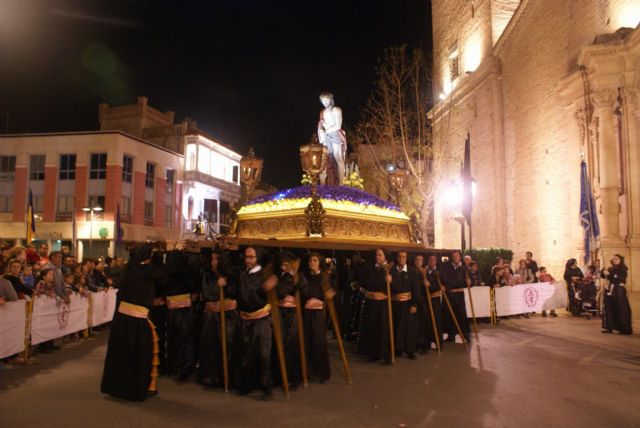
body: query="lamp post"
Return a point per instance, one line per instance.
(313, 158)
(92, 211)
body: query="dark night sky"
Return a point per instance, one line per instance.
(248, 71)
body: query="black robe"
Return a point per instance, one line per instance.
(315, 330)
(210, 368)
(289, 326)
(426, 335)
(180, 358)
(130, 352)
(617, 311)
(374, 328)
(454, 278)
(405, 324)
(253, 341)
(158, 316)
(569, 273)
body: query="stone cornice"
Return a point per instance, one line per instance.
(511, 28)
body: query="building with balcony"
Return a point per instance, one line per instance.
(160, 185)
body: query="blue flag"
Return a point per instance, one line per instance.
(588, 214)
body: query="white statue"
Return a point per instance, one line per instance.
(331, 135)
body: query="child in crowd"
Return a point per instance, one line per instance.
(27, 276)
(68, 283)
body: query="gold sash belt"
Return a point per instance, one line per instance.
(256, 315)
(133, 310)
(288, 302)
(314, 304)
(179, 301)
(401, 297)
(229, 305)
(375, 295)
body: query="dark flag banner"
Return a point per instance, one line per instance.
(588, 215)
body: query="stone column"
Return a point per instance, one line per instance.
(608, 165)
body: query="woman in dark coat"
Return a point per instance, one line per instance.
(218, 274)
(315, 323)
(131, 364)
(617, 312)
(572, 275)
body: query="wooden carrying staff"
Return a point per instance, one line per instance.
(223, 339)
(336, 327)
(473, 311)
(277, 330)
(453, 315)
(392, 344)
(303, 355)
(431, 311)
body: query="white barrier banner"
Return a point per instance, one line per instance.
(12, 325)
(52, 318)
(103, 305)
(481, 301)
(518, 299)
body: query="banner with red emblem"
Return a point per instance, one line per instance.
(53, 318)
(103, 305)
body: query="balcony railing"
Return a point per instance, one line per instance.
(64, 216)
(148, 221)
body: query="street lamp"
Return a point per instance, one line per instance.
(454, 197)
(91, 210)
(313, 158)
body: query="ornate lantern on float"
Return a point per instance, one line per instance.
(250, 171)
(397, 180)
(313, 159)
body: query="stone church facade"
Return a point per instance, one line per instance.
(540, 85)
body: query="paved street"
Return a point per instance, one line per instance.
(524, 373)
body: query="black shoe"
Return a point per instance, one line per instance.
(267, 392)
(411, 356)
(152, 393)
(544, 314)
(553, 314)
(372, 359)
(55, 348)
(607, 331)
(423, 351)
(386, 362)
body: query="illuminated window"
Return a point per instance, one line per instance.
(36, 167)
(191, 157)
(65, 204)
(204, 160)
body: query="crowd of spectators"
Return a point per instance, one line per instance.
(26, 273)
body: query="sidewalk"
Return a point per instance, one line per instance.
(578, 330)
